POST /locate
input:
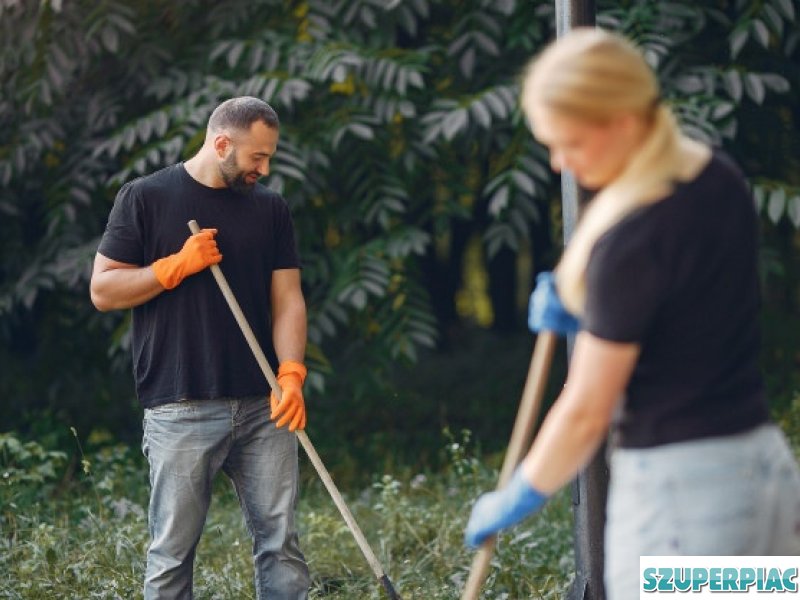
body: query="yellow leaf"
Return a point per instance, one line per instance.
(301, 11)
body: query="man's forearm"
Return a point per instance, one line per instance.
(289, 332)
(123, 288)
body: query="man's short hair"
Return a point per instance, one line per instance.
(240, 113)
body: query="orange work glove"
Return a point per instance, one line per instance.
(291, 408)
(198, 252)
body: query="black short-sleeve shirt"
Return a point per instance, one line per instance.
(186, 343)
(679, 278)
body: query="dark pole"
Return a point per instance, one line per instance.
(591, 485)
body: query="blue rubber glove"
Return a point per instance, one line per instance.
(502, 508)
(545, 311)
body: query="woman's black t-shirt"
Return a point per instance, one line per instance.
(186, 343)
(679, 278)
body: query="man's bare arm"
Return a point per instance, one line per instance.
(288, 315)
(117, 285)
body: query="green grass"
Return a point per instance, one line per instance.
(87, 538)
(78, 529)
(83, 534)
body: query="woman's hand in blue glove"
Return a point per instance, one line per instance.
(545, 310)
(502, 508)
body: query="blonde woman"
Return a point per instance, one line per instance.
(662, 275)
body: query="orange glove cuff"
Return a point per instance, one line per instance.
(292, 368)
(291, 409)
(168, 272)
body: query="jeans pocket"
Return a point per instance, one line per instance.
(168, 422)
(165, 417)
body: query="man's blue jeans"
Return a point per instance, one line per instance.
(186, 444)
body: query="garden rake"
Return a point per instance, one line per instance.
(301, 435)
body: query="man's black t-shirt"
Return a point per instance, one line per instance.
(679, 278)
(186, 343)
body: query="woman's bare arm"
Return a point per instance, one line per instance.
(579, 420)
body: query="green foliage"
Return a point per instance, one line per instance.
(401, 137)
(22, 464)
(778, 200)
(91, 541)
(84, 538)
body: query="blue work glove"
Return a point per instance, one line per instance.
(545, 311)
(502, 508)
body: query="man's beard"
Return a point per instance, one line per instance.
(234, 177)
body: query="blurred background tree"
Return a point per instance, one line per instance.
(424, 207)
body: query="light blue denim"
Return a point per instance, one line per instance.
(186, 444)
(735, 495)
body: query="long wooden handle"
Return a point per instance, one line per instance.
(529, 407)
(301, 435)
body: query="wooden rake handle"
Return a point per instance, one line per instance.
(529, 408)
(301, 435)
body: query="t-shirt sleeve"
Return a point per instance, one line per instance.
(624, 289)
(286, 253)
(123, 238)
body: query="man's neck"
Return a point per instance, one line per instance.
(204, 170)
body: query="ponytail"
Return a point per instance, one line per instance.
(649, 176)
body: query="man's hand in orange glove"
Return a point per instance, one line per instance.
(291, 408)
(198, 252)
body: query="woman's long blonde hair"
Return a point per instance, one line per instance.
(594, 76)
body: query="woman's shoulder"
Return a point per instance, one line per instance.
(721, 168)
(721, 187)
